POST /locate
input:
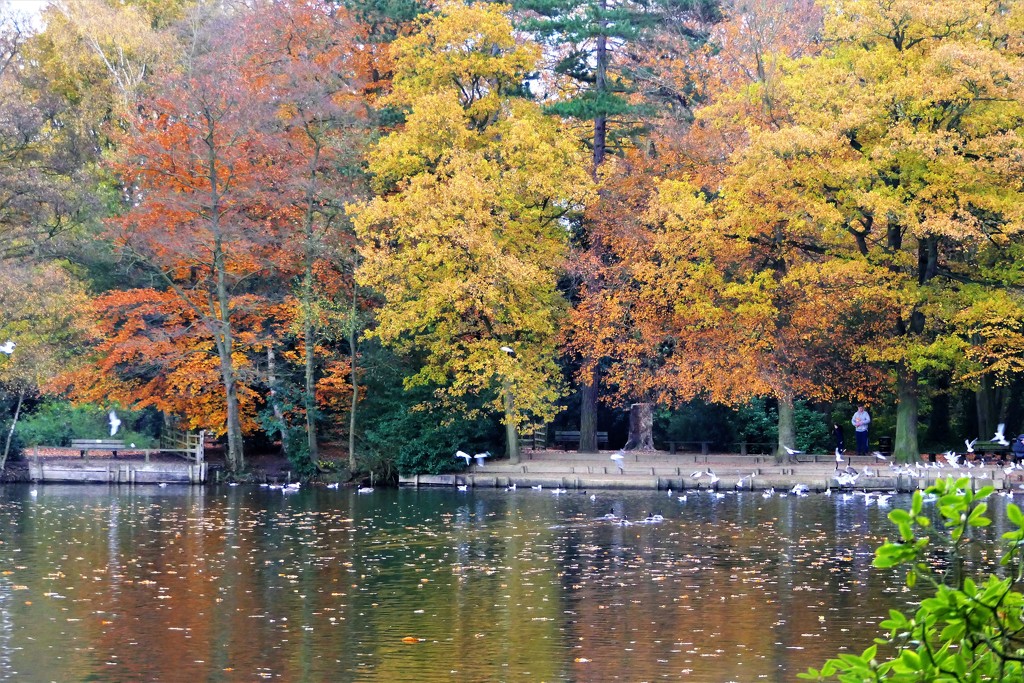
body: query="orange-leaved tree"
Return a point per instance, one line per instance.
(150, 351)
(304, 57)
(668, 317)
(200, 178)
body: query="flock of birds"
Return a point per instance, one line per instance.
(479, 457)
(953, 459)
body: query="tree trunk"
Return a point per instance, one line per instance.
(511, 432)
(309, 395)
(601, 86)
(225, 348)
(641, 427)
(939, 429)
(309, 331)
(10, 432)
(352, 338)
(787, 432)
(589, 388)
(220, 313)
(906, 449)
(236, 458)
(987, 406)
(275, 405)
(588, 414)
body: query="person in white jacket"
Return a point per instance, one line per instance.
(860, 421)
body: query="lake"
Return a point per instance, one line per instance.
(248, 583)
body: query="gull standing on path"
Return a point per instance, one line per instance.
(115, 422)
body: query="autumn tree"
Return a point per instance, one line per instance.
(199, 180)
(44, 183)
(590, 78)
(302, 55)
(644, 316)
(46, 313)
(910, 123)
(100, 57)
(380, 23)
(464, 241)
(889, 155)
(151, 350)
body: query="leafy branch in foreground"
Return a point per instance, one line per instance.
(969, 630)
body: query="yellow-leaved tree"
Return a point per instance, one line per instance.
(45, 320)
(896, 156)
(466, 236)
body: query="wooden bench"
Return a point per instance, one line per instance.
(993, 448)
(567, 437)
(756, 447)
(86, 445)
(705, 446)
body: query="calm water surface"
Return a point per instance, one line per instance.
(244, 584)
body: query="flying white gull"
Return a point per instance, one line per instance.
(115, 422)
(464, 455)
(792, 451)
(999, 438)
(7, 347)
(618, 458)
(970, 445)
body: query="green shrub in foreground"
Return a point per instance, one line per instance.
(969, 630)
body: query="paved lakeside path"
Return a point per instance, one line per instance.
(687, 471)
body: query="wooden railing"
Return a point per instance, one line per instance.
(188, 444)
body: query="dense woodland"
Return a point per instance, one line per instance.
(395, 229)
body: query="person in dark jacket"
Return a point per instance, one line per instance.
(837, 432)
(1018, 448)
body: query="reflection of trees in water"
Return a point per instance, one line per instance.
(324, 585)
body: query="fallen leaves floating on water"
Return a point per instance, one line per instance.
(532, 583)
